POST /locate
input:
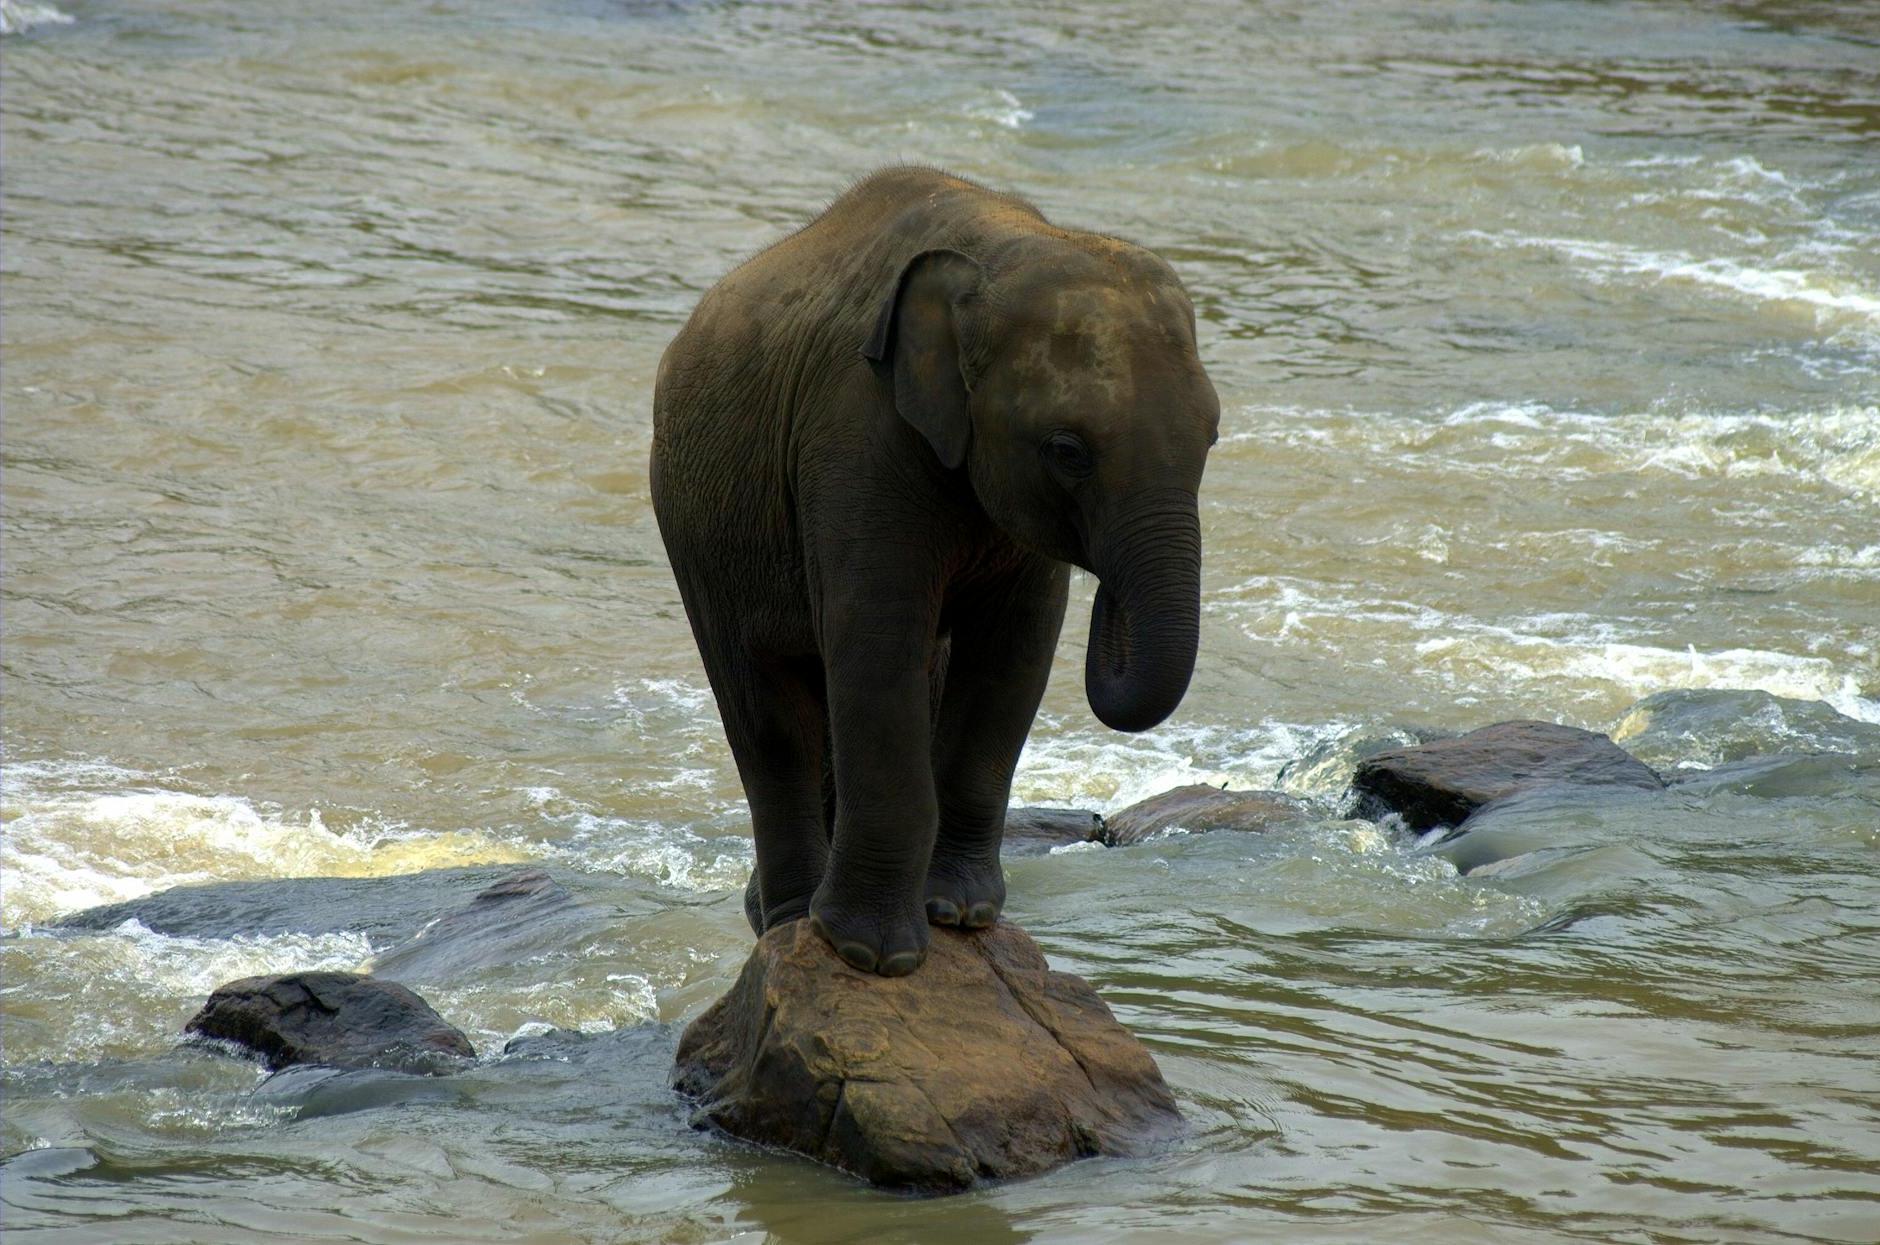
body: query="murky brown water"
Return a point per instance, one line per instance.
(1548, 339)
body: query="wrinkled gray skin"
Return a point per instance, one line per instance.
(878, 448)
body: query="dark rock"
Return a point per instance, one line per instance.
(340, 1020)
(1198, 809)
(1442, 783)
(1719, 726)
(984, 1064)
(1035, 831)
(386, 910)
(524, 914)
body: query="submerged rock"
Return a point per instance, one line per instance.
(312, 1090)
(1718, 726)
(1034, 831)
(1822, 775)
(1201, 808)
(1557, 823)
(1326, 768)
(519, 916)
(386, 909)
(985, 1064)
(1444, 782)
(338, 1020)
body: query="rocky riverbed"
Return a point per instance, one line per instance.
(984, 1065)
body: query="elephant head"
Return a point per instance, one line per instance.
(1062, 376)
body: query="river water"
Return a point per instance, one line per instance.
(1548, 343)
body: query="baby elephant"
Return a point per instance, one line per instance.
(878, 447)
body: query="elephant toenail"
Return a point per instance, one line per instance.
(981, 915)
(943, 912)
(901, 963)
(858, 956)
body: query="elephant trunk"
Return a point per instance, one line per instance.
(1146, 622)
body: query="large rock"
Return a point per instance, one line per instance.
(984, 1064)
(1442, 783)
(1198, 809)
(338, 1020)
(1035, 831)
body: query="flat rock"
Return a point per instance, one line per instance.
(982, 1065)
(385, 909)
(1035, 831)
(1443, 782)
(337, 1020)
(1198, 809)
(524, 914)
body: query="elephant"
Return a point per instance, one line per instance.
(879, 446)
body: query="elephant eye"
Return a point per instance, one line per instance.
(1068, 455)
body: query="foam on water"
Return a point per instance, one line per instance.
(19, 16)
(675, 856)
(1560, 156)
(1003, 109)
(1835, 302)
(1742, 181)
(1351, 873)
(1107, 771)
(1638, 670)
(645, 701)
(1837, 444)
(682, 716)
(184, 1113)
(1317, 159)
(491, 1013)
(1310, 876)
(1557, 658)
(1564, 657)
(66, 845)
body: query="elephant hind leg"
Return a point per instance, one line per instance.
(777, 725)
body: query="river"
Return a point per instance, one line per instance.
(1548, 343)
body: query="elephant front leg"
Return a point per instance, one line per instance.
(1003, 641)
(869, 906)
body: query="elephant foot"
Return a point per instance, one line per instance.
(754, 906)
(765, 918)
(967, 895)
(892, 945)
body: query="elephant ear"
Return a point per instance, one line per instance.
(924, 331)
